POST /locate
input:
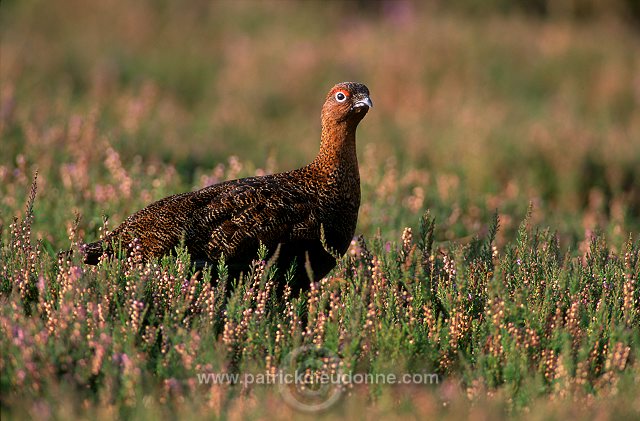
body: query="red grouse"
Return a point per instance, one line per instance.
(289, 211)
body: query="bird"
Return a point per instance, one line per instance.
(307, 215)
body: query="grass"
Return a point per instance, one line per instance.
(498, 242)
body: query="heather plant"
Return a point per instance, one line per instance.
(497, 257)
(527, 321)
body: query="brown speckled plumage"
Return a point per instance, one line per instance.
(286, 209)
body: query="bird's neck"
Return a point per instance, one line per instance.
(338, 150)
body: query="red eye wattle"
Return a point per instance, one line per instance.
(341, 96)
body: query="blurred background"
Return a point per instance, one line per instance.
(479, 106)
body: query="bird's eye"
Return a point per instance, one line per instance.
(340, 97)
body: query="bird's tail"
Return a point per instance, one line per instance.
(92, 252)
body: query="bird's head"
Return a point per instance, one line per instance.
(346, 102)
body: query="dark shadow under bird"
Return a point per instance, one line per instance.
(288, 212)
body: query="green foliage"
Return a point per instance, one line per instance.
(501, 125)
(529, 322)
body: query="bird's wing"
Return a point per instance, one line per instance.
(237, 216)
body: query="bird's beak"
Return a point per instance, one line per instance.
(363, 102)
